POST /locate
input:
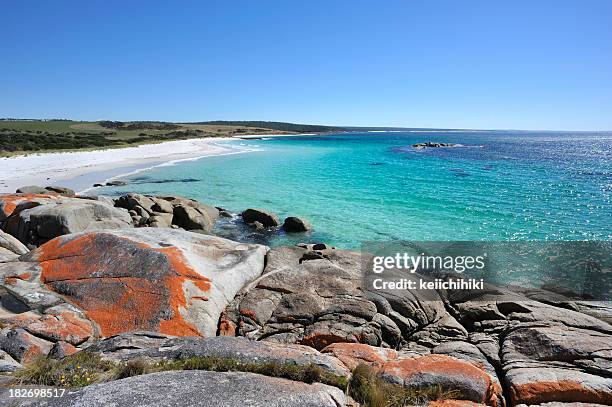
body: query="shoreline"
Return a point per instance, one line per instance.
(79, 170)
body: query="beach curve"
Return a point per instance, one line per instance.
(80, 169)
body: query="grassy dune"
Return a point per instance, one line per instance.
(30, 136)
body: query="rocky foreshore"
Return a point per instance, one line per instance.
(133, 301)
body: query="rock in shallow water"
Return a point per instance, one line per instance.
(190, 218)
(294, 224)
(156, 211)
(267, 219)
(430, 144)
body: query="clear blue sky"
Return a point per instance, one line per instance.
(533, 64)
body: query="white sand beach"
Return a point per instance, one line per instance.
(80, 169)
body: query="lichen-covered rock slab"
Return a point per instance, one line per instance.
(201, 389)
(318, 297)
(155, 346)
(162, 280)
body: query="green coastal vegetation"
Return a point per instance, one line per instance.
(84, 368)
(19, 136)
(365, 384)
(279, 126)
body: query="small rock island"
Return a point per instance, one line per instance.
(429, 144)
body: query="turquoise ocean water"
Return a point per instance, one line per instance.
(373, 186)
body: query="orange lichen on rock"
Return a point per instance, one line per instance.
(8, 202)
(121, 284)
(249, 313)
(178, 326)
(440, 369)
(320, 340)
(226, 327)
(24, 276)
(64, 326)
(19, 320)
(474, 384)
(563, 390)
(62, 349)
(23, 346)
(352, 354)
(442, 364)
(33, 352)
(12, 279)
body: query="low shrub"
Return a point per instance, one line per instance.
(84, 368)
(368, 388)
(78, 370)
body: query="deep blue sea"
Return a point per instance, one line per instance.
(373, 186)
